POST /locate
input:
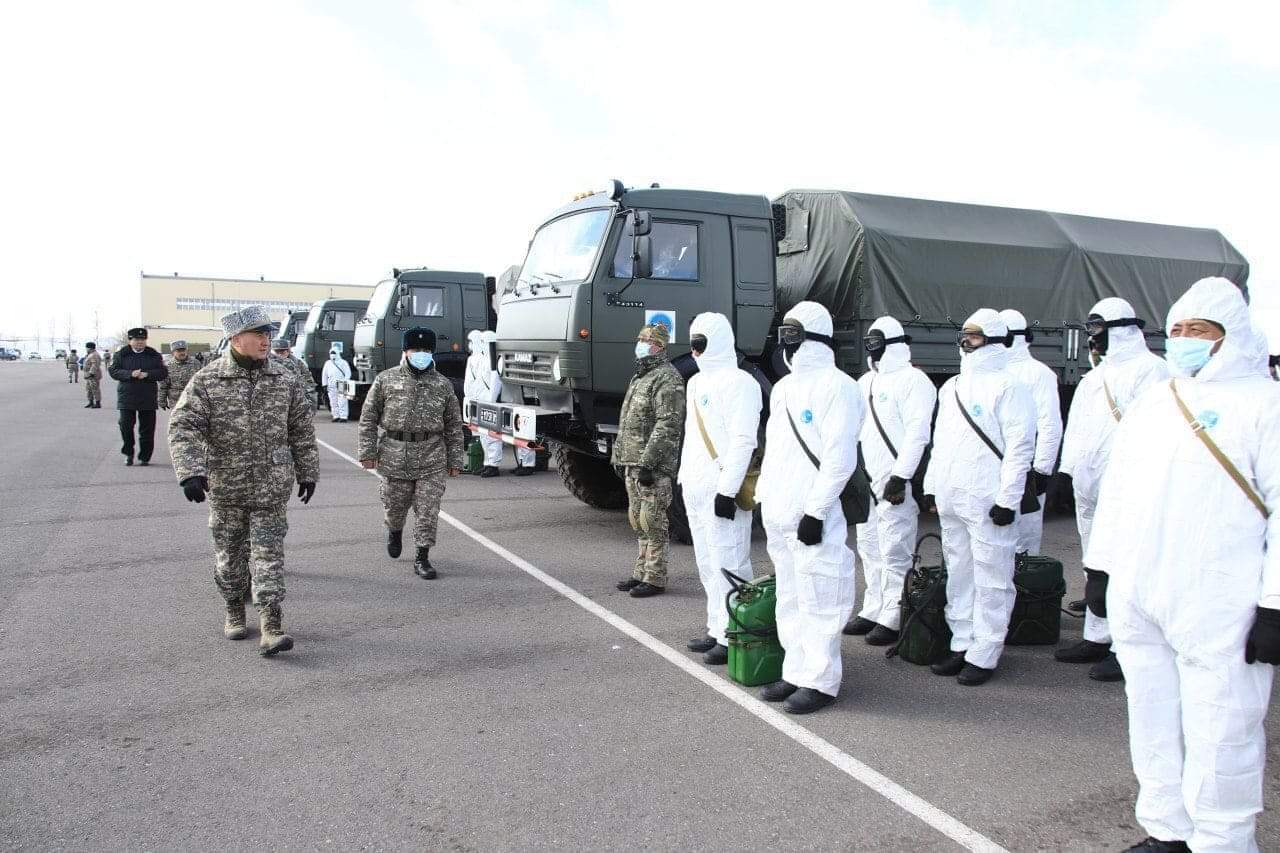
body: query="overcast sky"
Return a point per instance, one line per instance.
(330, 141)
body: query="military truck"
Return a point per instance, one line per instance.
(293, 326)
(452, 304)
(607, 263)
(330, 323)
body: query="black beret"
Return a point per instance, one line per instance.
(137, 332)
(420, 339)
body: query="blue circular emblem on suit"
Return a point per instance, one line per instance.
(705, 400)
(1209, 418)
(977, 410)
(807, 416)
(883, 396)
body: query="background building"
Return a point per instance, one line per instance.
(176, 307)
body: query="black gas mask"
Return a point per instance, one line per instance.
(876, 343)
(963, 340)
(1096, 328)
(791, 335)
(698, 343)
(1026, 333)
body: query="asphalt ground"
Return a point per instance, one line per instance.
(485, 710)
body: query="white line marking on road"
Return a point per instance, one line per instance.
(970, 839)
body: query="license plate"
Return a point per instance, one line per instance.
(490, 418)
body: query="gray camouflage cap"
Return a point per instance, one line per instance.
(249, 318)
(281, 343)
(178, 345)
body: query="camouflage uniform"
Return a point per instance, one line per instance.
(413, 472)
(649, 432)
(251, 434)
(93, 377)
(180, 373)
(293, 363)
(73, 368)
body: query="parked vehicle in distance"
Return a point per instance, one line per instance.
(35, 356)
(7, 354)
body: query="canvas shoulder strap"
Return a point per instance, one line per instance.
(1212, 447)
(803, 446)
(702, 428)
(977, 429)
(893, 451)
(1111, 401)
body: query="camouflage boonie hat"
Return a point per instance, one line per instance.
(251, 318)
(656, 333)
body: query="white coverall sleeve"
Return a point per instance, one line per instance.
(1017, 417)
(326, 374)
(1267, 475)
(1073, 438)
(916, 409)
(838, 455)
(1048, 421)
(742, 420)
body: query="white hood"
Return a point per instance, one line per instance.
(720, 354)
(1015, 321)
(896, 356)
(992, 357)
(475, 341)
(1123, 342)
(812, 355)
(1244, 349)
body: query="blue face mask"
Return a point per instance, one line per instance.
(1188, 355)
(421, 360)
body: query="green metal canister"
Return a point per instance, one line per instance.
(475, 457)
(924, 637)
(1036, 619)
(755, 655)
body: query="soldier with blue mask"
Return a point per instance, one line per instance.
(411, 434)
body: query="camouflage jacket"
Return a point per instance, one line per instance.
(399, 401)
(652, 419)
(304, 376)
(92, 365)
(249, 431)
(180, 373)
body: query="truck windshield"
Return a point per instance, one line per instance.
(382, 299)
(564, 250)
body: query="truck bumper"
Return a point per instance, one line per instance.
(515, 425)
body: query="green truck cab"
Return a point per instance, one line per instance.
(601, 267)
(452, 304)
(330, 323)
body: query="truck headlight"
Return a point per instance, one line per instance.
(555, 369)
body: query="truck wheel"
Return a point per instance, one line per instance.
(591, 480)
(678, 518)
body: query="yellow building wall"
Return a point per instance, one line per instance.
(189, 308)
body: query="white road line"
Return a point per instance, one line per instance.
(970, 839)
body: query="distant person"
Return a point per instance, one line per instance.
(482, 384)
(181, 367)
(73, 367)
(336, 369)
(139, 370)
(92, 376)
(283, 350)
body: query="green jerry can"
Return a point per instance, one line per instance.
(475, 457)
(1037, 611)
(925, 637)
(755, 655)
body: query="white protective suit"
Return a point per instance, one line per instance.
(1127, 369)
(903, 399)
(1189, 558)
(815, 582)
(1042, 383)
(482, 384)
(728, 400)
(334, 369)
(968, 479)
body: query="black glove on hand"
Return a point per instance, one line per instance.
(644, 476)
(621, 471)
(1000, 516)
(895, 491)
(1263, 643)
(305, 491)
(810, 530)
(1042, 481)
(1095, 592)
(194, 488)
(726, 507)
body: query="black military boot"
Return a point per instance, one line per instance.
(523, 470)
(490, 471)
(950, 665)
(806, 700)
(718, 656)
(395, 543)
(128, 460)
(881, 636)
(857, 626)
(1155, 845)
(646, 590)
(628, 585)
(701, 644)
(1107, 669)
(422, 565)
(1085, 651)
(972, 676)
(777, 691)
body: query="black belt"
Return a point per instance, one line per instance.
(409, 436)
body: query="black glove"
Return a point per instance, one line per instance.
(644, 476)
(726, 507)
(194, 488)
(1060, 486)
(305, 491)
(1000, 516)
(810, 530)
(895, 491)
(621, 471)
(1095, 592)
(1263, 643)
(1042, 481)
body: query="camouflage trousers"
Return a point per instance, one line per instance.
(647, 512)
(424, 495)
(93, 389)
(249, 538)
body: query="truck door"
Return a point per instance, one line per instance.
(692, 273)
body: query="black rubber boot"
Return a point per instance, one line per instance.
(1084, 651)
(395, 543)
(1107, 669)
(718, 656)
(144, 462)
(881, 636)
(128, 460)
(1077, 607)
(857, 627)
(777, 691)
(523, 470)
(702, 644)
(628, 584)
(490, 471)
(1155, 845)
(89, 405)
(646, 590)
(807, 700)
(422, 565)
(950, 665)
(972, 676)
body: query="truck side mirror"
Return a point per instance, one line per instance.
(642, 257)
(642, 224)
(402, 290)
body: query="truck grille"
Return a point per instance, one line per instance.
(538, 370)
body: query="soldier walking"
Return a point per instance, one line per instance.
(92, 376)
(421, 439)
(648, 449)
(73, 367)
(283, 350)
(242, 434)
(139, 369)
(181, 367)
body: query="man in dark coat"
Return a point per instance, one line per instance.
(138, 369)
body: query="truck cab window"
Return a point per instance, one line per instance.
(675, 252)
(339, 321)
(426, 301)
